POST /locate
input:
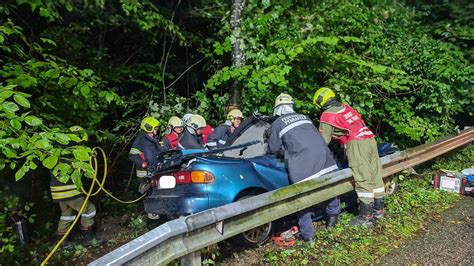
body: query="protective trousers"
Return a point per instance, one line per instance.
(69, 211)
(364, 162)
(305, 223)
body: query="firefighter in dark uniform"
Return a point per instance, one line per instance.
(144, 154)
(346, 126)
(192, 136)
(175, 130)
(70, 200)
(220, 135)
(306, 156)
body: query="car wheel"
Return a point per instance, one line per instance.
(391, 186)
(256, 236)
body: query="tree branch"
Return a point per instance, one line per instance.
(184, 72)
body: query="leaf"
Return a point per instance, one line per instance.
(10, 107)
(45, 13)
(21, 100)
(81, 154)
(9, 153)
(85, 90)
(76, 178)
(6, 93)
(48, 41)
(109, 97)
(21, 172)
(74, 137)
(15, 124)
(33, 120)
(61, 172)
(32, 165)
(52, 73)
(62, 138)
(42, 144)
(50, 162)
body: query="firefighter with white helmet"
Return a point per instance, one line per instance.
(219, 137)
(306, 156)
(192, 136)
(174, 132)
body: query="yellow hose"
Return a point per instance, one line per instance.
(93, 163)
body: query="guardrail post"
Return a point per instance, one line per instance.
(192, 259)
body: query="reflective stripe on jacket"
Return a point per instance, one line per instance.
(219, 137)
(306, 154)
(63, 192)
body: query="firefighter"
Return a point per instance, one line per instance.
(346, 126)
(306, 155)
(144, 154)
(192, 136)
(175, 130)
(220, 135)
(70, 200)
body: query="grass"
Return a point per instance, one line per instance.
(408, 210)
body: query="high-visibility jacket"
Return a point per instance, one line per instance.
(144, 153)
(350, 121)
(63, 191)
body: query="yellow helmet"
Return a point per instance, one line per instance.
(81, 131)
(283, 98)
(322, 96)
(196, 122)
(175, 122)
(149, 124)
(233, 114)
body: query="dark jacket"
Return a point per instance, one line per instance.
(63, 191)
(190, 141)
(306, 154)
(145, 149)
(219, 137)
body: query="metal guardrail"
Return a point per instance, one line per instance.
(189, 234)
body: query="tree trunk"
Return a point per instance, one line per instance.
(238, 59)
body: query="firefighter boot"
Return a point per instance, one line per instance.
(365, 216)
(88, 238)
(66, 244)
(379, 211)
(331, 220)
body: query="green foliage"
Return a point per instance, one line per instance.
(34, 132)
(11, 211)
(376, 55)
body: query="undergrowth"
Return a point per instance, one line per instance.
(407, 211)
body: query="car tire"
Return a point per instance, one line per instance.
(256, 236)
(391, 186)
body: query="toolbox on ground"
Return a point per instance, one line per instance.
(462, 183)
